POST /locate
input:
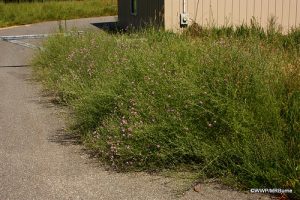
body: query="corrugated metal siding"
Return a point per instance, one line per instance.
(234, 12)
(148, 11)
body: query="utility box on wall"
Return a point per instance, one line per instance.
(177, 14)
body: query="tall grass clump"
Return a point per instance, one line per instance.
(220, 102)
(28, 13)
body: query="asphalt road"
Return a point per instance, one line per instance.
(37, 159)
(14, 55)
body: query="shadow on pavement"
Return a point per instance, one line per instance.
(111, 27)
(13, 66)
(64, 138)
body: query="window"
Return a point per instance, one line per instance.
(133, 7)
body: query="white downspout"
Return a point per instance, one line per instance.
(184, 6)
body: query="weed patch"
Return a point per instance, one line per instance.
(219, 102)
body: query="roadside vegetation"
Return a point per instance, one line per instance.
(28, 13)
(224, 103)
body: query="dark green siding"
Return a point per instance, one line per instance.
(148, 11)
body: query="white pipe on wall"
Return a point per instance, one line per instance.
(184, 6)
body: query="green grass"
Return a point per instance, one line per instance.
(223, 103)
(27, 13)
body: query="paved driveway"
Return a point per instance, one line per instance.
(14, 55)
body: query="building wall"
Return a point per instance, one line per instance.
(148, 11)
(234, 12)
